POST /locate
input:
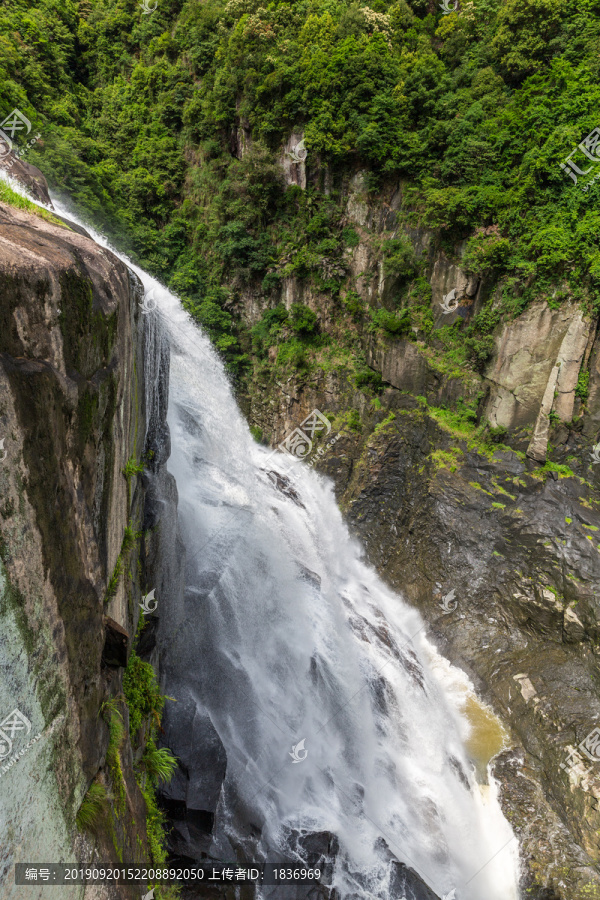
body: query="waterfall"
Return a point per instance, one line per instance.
(289, 639)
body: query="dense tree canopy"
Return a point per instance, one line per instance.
(473, 111)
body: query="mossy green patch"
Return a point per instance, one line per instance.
(446, 459)
(12, 198)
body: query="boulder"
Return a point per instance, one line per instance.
(192, 795)
(29, 176)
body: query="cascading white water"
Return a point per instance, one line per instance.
(288, 636)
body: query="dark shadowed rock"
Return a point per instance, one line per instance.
(192, 795)
(405, 884)
(311, 850)
(29, 176)
(116, 644)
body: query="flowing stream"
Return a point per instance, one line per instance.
(291, 639)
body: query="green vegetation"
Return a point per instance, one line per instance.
(389, 420)
(146, 703)
(391, 323)
(158, 765)
(129, 539)
(12, 198)
(142, 693)
(132, 468)
(93, 808)
(350, 419)
(447, 459)
(562, 471)
(582, 388)
(167, 130)
(116, 729)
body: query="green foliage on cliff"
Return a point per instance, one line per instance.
(116, 730)
(142, 693)
(145, 703)
(93, 809)
(168, 130)
(12, 198)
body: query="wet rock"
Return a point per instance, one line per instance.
(312, 850)
(29, 176)
(521, 553)
(283, 484)
(70, 340)
(192, 795)
(405, 884)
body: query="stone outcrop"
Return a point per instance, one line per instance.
(293, 160)
(73, 411)
(192, 795)
(27, 175)
(438, 504)
(538, 445)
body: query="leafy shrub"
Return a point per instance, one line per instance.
(292, 353)
(350, 237)
(267, 331)
(354, 304)
(142, 693)
(480, 350)
(583, 385)
(399, 259)
(368, 378)
(352, 420)
(486, 252)
(303, 319)
(391, 323)
(497, 433)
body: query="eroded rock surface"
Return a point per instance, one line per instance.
(72, 413)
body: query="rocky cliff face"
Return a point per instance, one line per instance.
(512, 528)
(74, 410)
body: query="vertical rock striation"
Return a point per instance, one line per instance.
(82, 376)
